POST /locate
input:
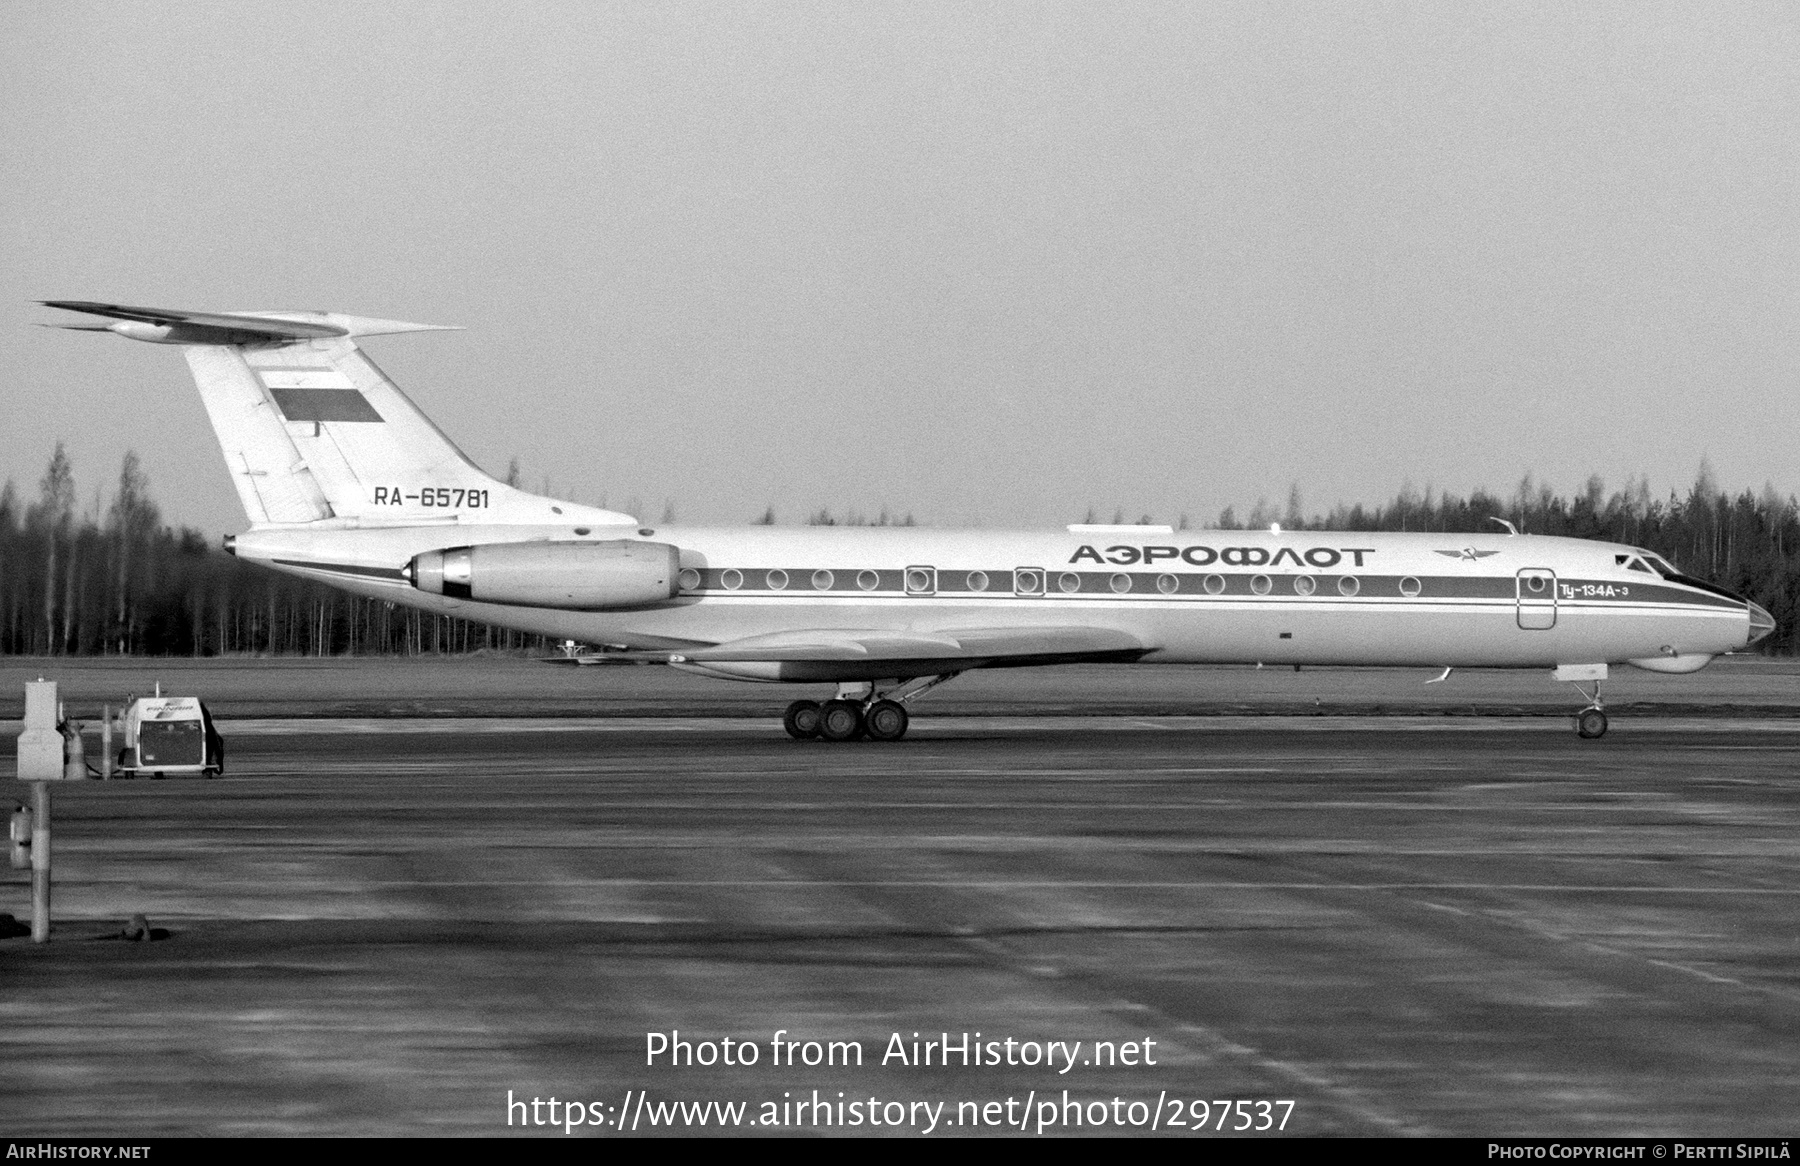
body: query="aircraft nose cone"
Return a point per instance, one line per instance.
(1761, 623)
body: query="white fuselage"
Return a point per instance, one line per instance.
(1212, 596)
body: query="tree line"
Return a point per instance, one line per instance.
(118, 581)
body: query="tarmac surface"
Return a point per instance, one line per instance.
(1419, 924)
(512, 686)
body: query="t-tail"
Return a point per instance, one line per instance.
(314, 433)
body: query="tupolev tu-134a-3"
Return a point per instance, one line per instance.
(344, 480)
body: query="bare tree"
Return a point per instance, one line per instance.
(131, 522)
(53, 516)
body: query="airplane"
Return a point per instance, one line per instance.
(345, 481)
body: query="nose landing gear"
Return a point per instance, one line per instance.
(1590, 722)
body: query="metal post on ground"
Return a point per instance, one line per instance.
(43, 758)
(40, 862)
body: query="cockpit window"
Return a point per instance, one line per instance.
(1672, 574)
(1646, 561)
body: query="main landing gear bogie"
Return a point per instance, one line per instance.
(846, 720)
(858, 711)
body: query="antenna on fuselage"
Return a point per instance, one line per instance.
(1510, 528)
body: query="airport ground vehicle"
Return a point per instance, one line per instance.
(167, 736)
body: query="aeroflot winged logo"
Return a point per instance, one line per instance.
(1202, 556)
(1467, 554)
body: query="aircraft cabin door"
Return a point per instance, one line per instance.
(1537, 598)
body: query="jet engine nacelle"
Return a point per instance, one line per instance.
(575, 576)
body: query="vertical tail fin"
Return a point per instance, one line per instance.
(274, 480)
(312, 430)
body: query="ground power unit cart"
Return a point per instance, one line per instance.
(166, 735)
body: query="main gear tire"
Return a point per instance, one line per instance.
(886, 720)
(801, 720)
(840, 720)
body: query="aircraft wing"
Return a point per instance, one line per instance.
(836, 653)
(976, 645)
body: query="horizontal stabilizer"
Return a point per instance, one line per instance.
(170, 326)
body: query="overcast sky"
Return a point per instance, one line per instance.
(991, 264)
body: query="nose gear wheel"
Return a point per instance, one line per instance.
(1590, 722)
